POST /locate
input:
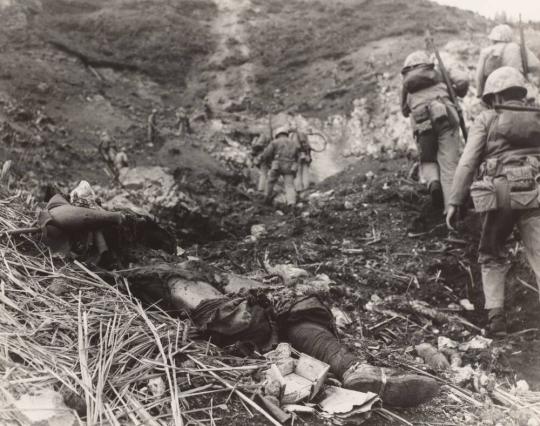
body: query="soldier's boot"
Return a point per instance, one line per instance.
(496, 322)
(436, 193)
(394, 388)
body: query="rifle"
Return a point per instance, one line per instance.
(431, 46)
(523, 50)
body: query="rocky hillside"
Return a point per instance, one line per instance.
(74, 68)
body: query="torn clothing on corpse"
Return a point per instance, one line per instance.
(257, 317)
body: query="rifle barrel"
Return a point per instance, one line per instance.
(516, 108)
(448, 82)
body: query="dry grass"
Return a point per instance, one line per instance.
(96, 343)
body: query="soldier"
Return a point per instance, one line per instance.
(434, 120)
(304, 161)
(503, 52)
(121, 160)
(152, 127)
(258, 146)
(282, 154)
(108, 150)
(182, 121)
(504, 149)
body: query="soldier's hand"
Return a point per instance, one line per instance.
(450, 216)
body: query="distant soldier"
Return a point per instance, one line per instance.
(182, 121)
(258, 146)
(434, 120)
(304, 161)
(208, 111)
(503, 52)
(108, 150)
(121, 160)
(152, 127)
(282, 154)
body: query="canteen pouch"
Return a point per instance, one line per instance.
(484, 195)
(438, 112)
(426, 138)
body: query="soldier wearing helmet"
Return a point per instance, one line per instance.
(503, 51)
(282, 153)
(434, 120)
(503, 151)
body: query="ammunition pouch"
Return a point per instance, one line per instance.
(484, 195)
(512, 184)
(284, 167)
(425, 135)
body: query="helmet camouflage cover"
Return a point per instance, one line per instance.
(281, 129)
(420, 57)
(502, 79)
(501, 33)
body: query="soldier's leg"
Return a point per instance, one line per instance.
(305, 176)
(263, 177)
(430, 175)
(290, 190)
(395, 388)
(298, 182)
(273, 176)
(497, 226)
(448, 158)
(529, 225)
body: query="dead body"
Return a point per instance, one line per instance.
(227, 308)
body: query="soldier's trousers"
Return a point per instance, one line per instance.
(302, 177)
(497, 226)
(288, 183)
(263, 177)
(449, 143)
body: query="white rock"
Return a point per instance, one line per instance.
(46, 408)
(522, 386)
(446, 343)
(476, 343)
(257, 231)
(156, 386)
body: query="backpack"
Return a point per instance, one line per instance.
(420, 78)
(520, 128)
(494, 61)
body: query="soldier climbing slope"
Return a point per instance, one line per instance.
(282, 154)
(504, 52)
(151, 129)
(304, 160)
(504, 149)
(434, 120)
(258, 145)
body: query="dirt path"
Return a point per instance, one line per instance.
(231, 59)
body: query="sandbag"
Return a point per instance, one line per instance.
(519, 128)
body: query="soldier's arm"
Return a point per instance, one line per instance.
(405, 110)
(479, 77)
(269, 152)
(470, 160)
(533, 62)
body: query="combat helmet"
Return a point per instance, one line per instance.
(501, 33)
(281, 129)
(419, 57)
(501, 79)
